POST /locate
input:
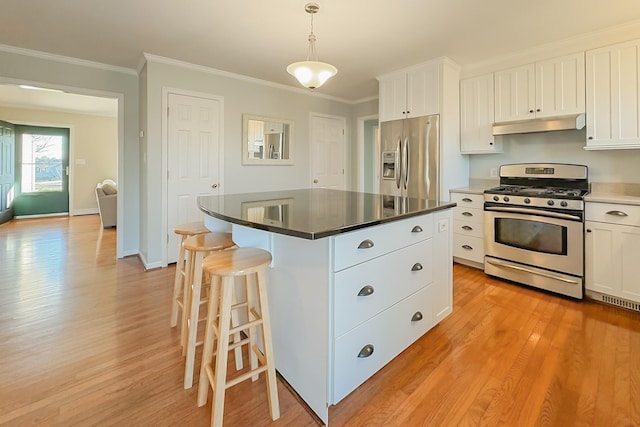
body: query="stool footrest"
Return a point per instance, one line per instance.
(245, 376)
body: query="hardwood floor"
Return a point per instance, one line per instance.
(85, 340)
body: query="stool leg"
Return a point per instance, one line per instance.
(220, 377)
(251, 287)
(177, 284)
(186, 298)
(272, 386)
(236, 337)
(209, 339)
(194, 311)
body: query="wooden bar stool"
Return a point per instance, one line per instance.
(224, 267)
(196, 249)
(185, 231)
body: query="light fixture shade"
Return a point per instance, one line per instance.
(312, 74)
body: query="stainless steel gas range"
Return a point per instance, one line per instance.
(534, 226)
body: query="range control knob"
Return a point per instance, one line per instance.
(563, 204)
(527, 200)
(505, 198)
(550, 202)
(496, 198)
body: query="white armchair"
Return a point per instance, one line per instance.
(106, 195)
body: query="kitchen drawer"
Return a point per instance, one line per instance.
(467, 228)
(468, 200)
(380, 285)
(388, 333)
(463, 213)
(613, 213)
(468, 247)
(362, 245)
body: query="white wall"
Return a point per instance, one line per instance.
(93, 139)
(561, 147)
(240, 96)
(77, 76)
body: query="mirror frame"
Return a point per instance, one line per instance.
(245, 137)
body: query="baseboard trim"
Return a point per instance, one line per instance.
(90, 211)
(41, 215)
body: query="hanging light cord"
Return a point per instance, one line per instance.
(311, 56)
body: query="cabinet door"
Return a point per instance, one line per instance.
(393, 96)
(560, 87)
(613, 97)
(476, 116)
(515, 94)
(611, 254)
(423, 96)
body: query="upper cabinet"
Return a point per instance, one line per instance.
(555, 87)
(477, 116)
(412, 92)
(613, 97)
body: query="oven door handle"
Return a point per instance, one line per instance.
(526, 270)
(532, 212)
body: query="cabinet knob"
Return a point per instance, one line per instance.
(366, 351)
(365, 244)
(416, 267)
(467, 247)
(590, 137)
(491, 143)
(366, 291)
(588, 230)
(214, 185)
(417, 316)
(538, 110)
(531, 111)
(416, 229)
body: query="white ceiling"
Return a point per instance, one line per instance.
(363, 39)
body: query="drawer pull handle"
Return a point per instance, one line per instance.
(467, 247)
(366, 291)
(467, 214)
(417, 316)
(617, 213)
(365, 244)
(468, 200)
(416, 267)
(366, 351)
(416, 229)
(466, 227)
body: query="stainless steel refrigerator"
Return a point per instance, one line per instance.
(410, 152)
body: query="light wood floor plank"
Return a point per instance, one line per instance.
(84, 340)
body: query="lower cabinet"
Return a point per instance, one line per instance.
(468, 228)
(612, 250)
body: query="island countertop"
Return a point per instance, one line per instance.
(314, 213)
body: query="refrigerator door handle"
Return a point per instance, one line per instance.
(398, 168)
(405, 167)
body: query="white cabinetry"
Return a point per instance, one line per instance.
(412, 92)
(477, 116)
(555, 87)
(613, 97)
(612, 250)
(468, 228)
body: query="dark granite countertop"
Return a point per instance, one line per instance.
(314, 213)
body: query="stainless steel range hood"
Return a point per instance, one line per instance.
(573, 122)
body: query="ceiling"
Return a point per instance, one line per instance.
(363, 39)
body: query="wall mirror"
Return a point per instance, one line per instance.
(266, 140)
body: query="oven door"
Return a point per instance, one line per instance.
(543, 239)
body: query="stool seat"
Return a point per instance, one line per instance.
(191, 228)
(210, 241)
(237, 262)
(225, 267)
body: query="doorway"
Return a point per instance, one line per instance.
(42, 171)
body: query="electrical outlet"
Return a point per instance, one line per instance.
(443, 225)
(493, 172)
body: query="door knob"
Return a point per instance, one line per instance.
(315, 181)
(214, 185)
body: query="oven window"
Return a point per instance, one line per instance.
(531, 235)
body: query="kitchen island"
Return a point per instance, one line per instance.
(356, 278)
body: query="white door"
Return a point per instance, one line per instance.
(327, 152)
(193, 159)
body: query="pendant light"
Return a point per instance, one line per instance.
(312, 73)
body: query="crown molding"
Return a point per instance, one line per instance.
(208, 70)
(65, 59)
(583, 42)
